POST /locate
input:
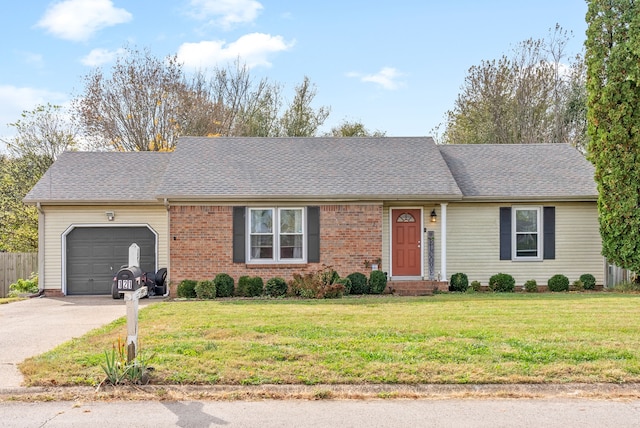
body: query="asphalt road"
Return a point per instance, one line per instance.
(522, 413)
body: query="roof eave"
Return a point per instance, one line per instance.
(537, 198)
(298, 198)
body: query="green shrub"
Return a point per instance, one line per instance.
(250, 286)
(224, 285)
(187, 288)
(322, 284)
(502, 283)
(359, 284)
(24, 286)
(346, 283)
(459, 282)
(627, 287)
(476, 286)
(558, 283)
(377, 282)
(588, 280)
(205, 290)
(275, 287)
(531, 286)
(577, 285)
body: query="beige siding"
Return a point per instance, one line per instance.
(473, 244)
(58, 219)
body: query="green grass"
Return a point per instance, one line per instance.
(461, 338)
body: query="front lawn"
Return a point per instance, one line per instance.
(447, 338)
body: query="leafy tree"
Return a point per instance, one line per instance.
(613, 78)
(300, 119)
(353, 129)
(531, 96)
(42, 134)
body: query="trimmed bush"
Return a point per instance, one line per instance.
(359, 283)
(377, 282)
(205, 290)
(476, 286)
(224, 285)
(502, 283)
(346, 283)
(459, 282)
(187, 288)
(558, 283)
(531, 286)
(588, 281)
(250, 286)
(577, 285)
(275, 287)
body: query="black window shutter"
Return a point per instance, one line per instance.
(313, 234)
(505, 233)
(549, 227)
(239, 241)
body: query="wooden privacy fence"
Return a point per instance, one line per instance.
(14, 266)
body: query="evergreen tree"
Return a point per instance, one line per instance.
(613, 114)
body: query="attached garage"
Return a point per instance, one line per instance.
(94, 255)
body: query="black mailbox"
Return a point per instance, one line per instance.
(130, 279)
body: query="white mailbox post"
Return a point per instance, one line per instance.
(131, 283)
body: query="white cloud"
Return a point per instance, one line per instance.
(387, 77)
(252, 49)
(226, 13)
(100, 56)
(78, 20)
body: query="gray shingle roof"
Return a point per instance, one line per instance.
(85, 177)
(498, 171)
(296, 168)
(371, 168)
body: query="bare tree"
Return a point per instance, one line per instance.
(135, 109)
(532, 96)
(147, 103)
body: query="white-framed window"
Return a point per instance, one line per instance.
(276, 234)
(527, 233)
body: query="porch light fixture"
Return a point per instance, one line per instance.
(110, 215)
(434, 216)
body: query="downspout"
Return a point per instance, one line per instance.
(40, 251)
(167, 234)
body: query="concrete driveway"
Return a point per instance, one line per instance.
(33, 326)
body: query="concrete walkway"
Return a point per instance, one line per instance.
(31, 327)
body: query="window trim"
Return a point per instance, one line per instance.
(276, 259)
(539, 232)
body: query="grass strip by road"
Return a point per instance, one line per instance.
(443, 339)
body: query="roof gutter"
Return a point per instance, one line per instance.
(310, 198)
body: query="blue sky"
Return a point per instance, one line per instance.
(396, 66)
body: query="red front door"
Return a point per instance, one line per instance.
(406, 251)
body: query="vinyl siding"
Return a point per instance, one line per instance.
(473, 245)
(57, 219)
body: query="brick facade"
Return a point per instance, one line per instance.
(201, 243)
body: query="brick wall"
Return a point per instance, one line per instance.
(202, 244)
